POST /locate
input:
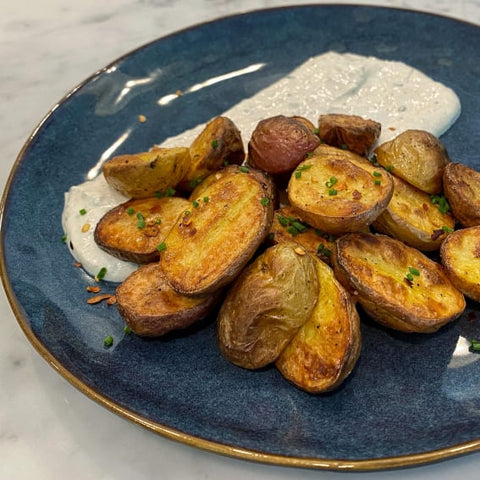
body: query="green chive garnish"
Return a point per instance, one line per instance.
(130, 211)
(161, 247)
(82, 211)
(265, 201)
(108, 341)
(244, 169)
(101, 274)
(140, 220)
(214, 143)
(127, 330)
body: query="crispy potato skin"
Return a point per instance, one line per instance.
(220, 143)
(280, 143)
(143, 174)
(416, 156)
(357, 200)
(355, 133)
(326, 348)
(461, 185)
(460, 254)
(151, 308)
(218, 235)
(266, 305)
(373, 268)
(285, 228)
(412, 218)
(133, 230)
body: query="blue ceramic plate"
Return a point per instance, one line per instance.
(411, 399)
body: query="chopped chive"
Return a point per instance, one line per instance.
(101, 274)
(140, 221)
(292, 231)
(108, 341)
(414, 271)
(265, 201)
(344, 146)
(206, 199)
(244, 169)
(316, 131)
(441, 202)
(388, 168)
(214, 143)
(377, 174)
(127, 330)
(64, 239)
(331, 182)
(373, 159)
(195, 182)
(447, 229)
(299, 226)
(409, 277)
(195, 204)
(474, 345)
(332, 192)
(130, 211)
(161, 247)
(377, 182)
(82, 211)
(170, 192)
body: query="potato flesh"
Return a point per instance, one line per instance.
(357, 196)
(325, 349)
(267, 304)
(416, 156)
(412, 218)
(214, 239)
(460, 254)
(151, 308)
(133, 230)
(375, 267)
(144, 174)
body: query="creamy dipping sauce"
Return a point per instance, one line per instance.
(392, 93)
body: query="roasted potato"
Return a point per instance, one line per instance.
(287, 226)
(416, 156)
(278, 144)
(397, 285)
(219, 144)
(133, 230)
(350, 132)
(460, 254)
(338, 192)
(215, 238)
(412, 218)
(461, 187)
(325, 350)
(144, 174)
(151, 308)
(267, 304)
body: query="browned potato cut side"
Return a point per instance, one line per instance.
(217, 236)
(280, 143)
(219, 144)
(461, 186)
(338, 194)
(266, 305)
(287, 226)
(412, 218)
(133, 230)
(416, 156)
(397, 285)
(326, 348)
(144, 174)
(151, 308)
(351, 132)
(460, 254)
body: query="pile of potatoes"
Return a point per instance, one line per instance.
(285, 239)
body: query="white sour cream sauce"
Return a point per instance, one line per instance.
(389, 92)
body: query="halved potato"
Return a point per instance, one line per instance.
(219, 144)
(412, 218)
(287, 226)
(460, 254)
(216, 237)
(280, 143)
(397, 285)
(351, 132)
(142, 175)
(267, 304)
(338, 192)
(461, 186)
(151, 308)
(416, 156)
(325, 350)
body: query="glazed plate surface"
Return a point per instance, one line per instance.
(411, 398)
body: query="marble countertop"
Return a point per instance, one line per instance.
(48, 429)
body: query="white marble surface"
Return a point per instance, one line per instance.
(48, 429)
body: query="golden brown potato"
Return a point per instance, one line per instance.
(133, 230)
(217, 236)
(460, 254)
(461, 186)
(339, 192)
(219, 144)
(397, 285)
(349, 132)
(412, 218)
(267, 304)
(144, 174)
(151, 308)
(287, 226)
(279, 144)
(326, 348)
(416, 156)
